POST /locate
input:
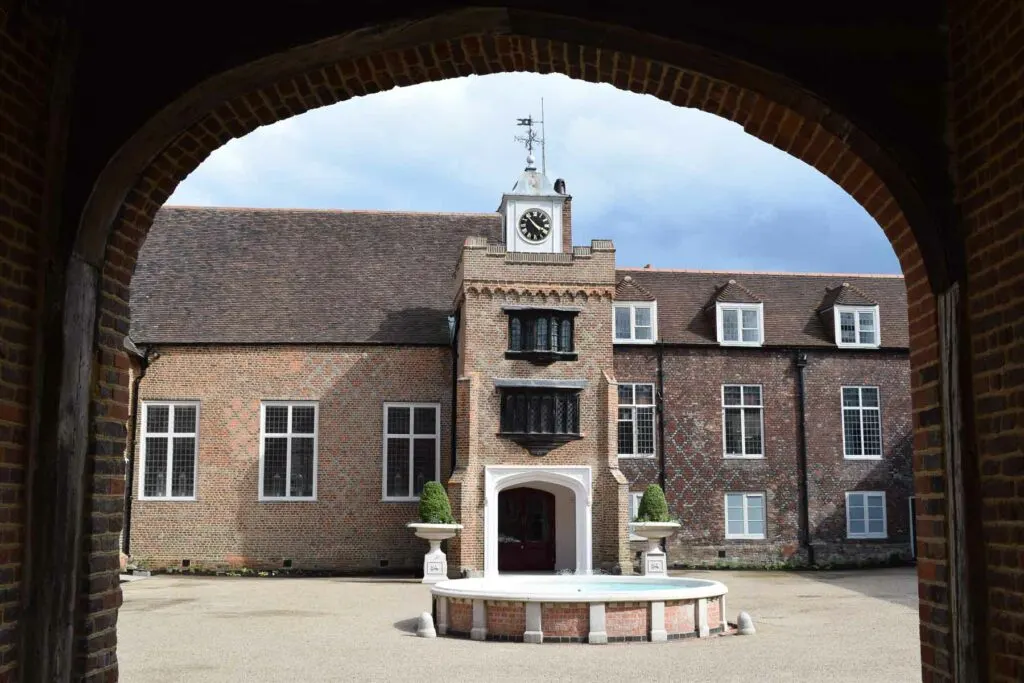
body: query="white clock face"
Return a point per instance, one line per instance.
(535, 225)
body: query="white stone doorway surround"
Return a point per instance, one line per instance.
(575, 478)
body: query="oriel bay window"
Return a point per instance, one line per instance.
(540, 414)
(541, 334)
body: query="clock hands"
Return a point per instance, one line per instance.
(540, 228)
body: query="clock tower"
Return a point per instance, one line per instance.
(532, 213)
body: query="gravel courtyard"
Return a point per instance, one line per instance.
(834, 626)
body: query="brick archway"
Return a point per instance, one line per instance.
(147, 170)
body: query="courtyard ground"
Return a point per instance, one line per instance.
(832, 626)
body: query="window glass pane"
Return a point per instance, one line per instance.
(642, 316)
(425, 420)
(643, 332)
(398, 468)
(566, 342)
(734, 501)
(867, 336)
(735, 526)
(867, 320)
(869, 396)
(645, 431)
(751, 335)
(157, 418)
(857, 526)
(302, 467)
(851, 431)
(731, 395)
(276, 420)
(183, 471)
(876, 526)
(872, 433)
(755, 506)
(572, 414)
(275, 466)
(733, 434)
(645, 394)
(752, 422)
(875, 512)
(847, 329)
(185, 419)
(541, 327)
(423, 464)
(755, 527)
(856, 512)
(851, 396)
(398, 420)
(303, 419)
(155, 483)
(730, 325)
(625, 432)
(625, 394)
(752, 395)
(515, 335)
(751, 332)
(622, 324)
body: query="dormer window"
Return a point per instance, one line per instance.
(541, 334)
(857, 327)
(740, 324)
(636, 323)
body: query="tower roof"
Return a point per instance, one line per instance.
(533, 182)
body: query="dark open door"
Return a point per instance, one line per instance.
(526, 530)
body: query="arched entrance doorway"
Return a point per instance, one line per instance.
(527, 523)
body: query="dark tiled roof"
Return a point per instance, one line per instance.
(791, 304)
(628, 290)
(733, 292)
(846, 294)
(225, 275)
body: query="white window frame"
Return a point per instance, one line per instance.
(860, 409)
(743, 422)
(170, 435)
(411, 437)
(746, 515)
(720, 309)
(654, 418)
(632, 306)
(634, 510)
(856, 311)
(288, 497)
(884, 534)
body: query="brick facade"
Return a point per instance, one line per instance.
(697, 476)
(347, 528)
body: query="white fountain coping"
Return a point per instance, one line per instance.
(545, 588)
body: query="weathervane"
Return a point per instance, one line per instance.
(531, 138)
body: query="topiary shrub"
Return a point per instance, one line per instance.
(434, 505)
(653, 506)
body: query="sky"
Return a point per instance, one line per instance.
(673, 187)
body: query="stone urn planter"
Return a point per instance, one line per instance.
(653, 524)
(435, 563)
(436, 524)
(654, 560)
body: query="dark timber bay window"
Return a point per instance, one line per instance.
(540, 418)
(541, 335)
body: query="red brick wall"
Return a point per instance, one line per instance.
(25, 74)
(624, 619)
(679, 617)
(986, 115)
(698, 476)
(714, 612)
(227, 525)
(506, 618)
(565, 619)
(460, 615)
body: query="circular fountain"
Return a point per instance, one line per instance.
(581, 609)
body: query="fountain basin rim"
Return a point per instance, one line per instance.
(565, 589)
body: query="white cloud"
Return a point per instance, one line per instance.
(449, 146)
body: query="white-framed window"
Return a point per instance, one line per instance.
(288, 450)
(170, 436)
(862, 423)
(636, 323)
(865, 514)
(742, 421)
(857, 327)
(740, 324)
(636, 420)
(412, 443)
(744, 515)
(634, 510)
